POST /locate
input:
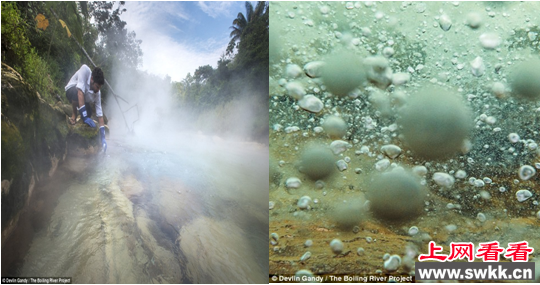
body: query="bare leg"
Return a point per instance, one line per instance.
(74, 105)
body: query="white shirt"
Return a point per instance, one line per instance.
(81, 79)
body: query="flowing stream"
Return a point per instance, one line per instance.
(193, 211)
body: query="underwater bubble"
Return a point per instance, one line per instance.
(293, 70)
(342, 73)
(502, 189)
(339, 146)
(413, 230)
(295, 89)
(291, 129)
(477, 67)
(311, 103)
(419, 170)
(382, 164)
(538, 215)
(391, 151)
(490, 40)
(479, 183)
(347, 215)
(443, 179)
(513, 137)
(318, 130)
(314, 69)
(460, 174)
(525, 80)
(420, 7)
(303, 202)
(369, 239)
(336, 246)
(388, 51)
(451, 227)
(396, 195)
(386, 256)
(305, 256)
(271, 204)
(293, 183)
(303, 273)
(481, 217)
(308, 243)
(341, 165)
(445, 22)
(474, 20)
(317, 162)
(499, 89)
(435, 123)
(485, 195)
(325, 9)
(335, 127)
(526, 172)
(378, 71)
(361, 251)
(392, 264)
(491, 120)
(400, 78)
(275, 237)
(523, 195)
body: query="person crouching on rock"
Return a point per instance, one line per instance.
(81, 91)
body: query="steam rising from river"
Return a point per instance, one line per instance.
(155, 118)
(172, 201)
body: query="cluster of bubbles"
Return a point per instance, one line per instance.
(436, 112)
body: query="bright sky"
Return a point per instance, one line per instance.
(178, 37)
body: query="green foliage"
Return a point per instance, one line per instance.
(18, 51)
(242, 77)
(117, 46)
(15, 44)
(47, 58)
(242, 22)
(37, 73)
(252, 57)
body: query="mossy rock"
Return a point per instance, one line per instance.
(12, 149)
(34, 138)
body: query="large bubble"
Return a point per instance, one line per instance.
(348, 214)
(317, 162)
(435, 123)
(525, 80)
(342, 73)
(396, 196)
(335, 127)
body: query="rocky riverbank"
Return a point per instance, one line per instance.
(36, 138)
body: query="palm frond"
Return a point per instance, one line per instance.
(249, 11)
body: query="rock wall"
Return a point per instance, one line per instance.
(35, 139)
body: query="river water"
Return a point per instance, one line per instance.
(186, 213)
